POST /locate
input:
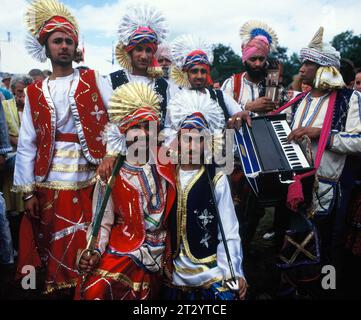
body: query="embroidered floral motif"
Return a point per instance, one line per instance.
(206, 217)
(97, 113)
(205, 240)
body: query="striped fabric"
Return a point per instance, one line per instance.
(195, 121)
(145, 36)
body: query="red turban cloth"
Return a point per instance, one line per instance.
(57, 23)
(198, 58)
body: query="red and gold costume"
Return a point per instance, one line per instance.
(61, 142)
(132, 249)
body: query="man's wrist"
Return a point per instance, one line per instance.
(330, 140)
(248, 107)
(28, 195)
(98, 252)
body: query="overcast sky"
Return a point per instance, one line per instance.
(218, 21)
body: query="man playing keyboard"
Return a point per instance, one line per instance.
(320, 69)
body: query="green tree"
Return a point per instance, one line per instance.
(226, 62)
(291, 65)
(349, 45)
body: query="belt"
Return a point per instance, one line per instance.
(67, 137)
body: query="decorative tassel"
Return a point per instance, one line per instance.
(155, 70)
(78, 57)
(295, 194)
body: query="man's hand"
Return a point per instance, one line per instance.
(32, 207)
(242, 288)
(118, 220)
(311, 132)
(262, 104)
(88, 262)
(106, 167)
(237, 120)
(2, 162)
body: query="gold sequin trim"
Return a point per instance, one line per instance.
(120, 277)
(50, 288)
(205, 285)
(68, 154)
(182, 218)
(217, 177)
(62, 185)
(192, 271)
(25, 188)
(71, 168)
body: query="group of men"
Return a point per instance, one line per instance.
(167, 231)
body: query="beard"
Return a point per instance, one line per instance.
(63, 63)
(256, 73)
(60, 62)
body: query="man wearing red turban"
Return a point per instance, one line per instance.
(141, 30)
(61, 141)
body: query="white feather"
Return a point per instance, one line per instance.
(35, 49)
(184, 45)
(248, 27)
(187, 102)
(142, 15)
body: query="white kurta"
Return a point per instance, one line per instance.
(249, 90)
(186, 272)
(69, 168)
(311, 113)
(150, 254)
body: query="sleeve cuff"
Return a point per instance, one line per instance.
(330, 140)
(111, 154)
(99, 252)
(5, 151)
(24, 188)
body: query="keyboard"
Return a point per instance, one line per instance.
(292, 150)
(269, 161)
